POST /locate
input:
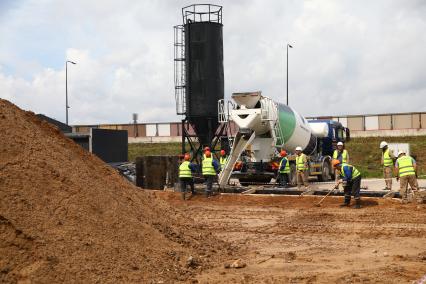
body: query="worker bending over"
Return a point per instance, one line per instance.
(210, 168)
(302, 169)
(387, 163)
(223, 159)
(186, 169)
(406, 173)
(284, 169)
(350, 177)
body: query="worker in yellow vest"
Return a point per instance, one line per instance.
(223, 159)
(342, 155)
(302, 169)
(406, 173)
(207, 148)
(284, 169)
(210, 168)
(350, 177)
(387, 163)
(185, 175)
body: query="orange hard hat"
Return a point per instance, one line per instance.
(335, 163)
(222, 152)
(283, 153)
(208, 154)
(186, 157)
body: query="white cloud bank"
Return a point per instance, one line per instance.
(349, 57)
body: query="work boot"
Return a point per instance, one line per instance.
(389, 195)
(357, 204)
(346, 202)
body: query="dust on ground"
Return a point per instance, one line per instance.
(286, 239)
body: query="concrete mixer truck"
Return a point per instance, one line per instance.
(264, 128)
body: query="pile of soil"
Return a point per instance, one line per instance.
(66, 216)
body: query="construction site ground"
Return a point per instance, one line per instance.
(287, 239)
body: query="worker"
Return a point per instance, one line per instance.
(210, 168)
(284, 169)
(207, 148)
(186, 169)
(302, 169)
(350, 177)
(406, 173)
(223, 159)
(341, 153)
(387, 163)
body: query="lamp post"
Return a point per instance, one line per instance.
(287, 69)
(66, 89)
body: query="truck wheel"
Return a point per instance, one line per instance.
(326, 172)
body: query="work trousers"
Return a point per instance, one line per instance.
(209, 183)
(353, 188)
(283, 179)
(184, 182)
(403, 185)
(387, 174)
(302, 177)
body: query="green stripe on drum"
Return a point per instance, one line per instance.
(287, 121)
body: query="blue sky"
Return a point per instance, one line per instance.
(349, 57)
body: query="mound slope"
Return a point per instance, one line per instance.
(65, 216)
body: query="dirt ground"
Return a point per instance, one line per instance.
(286, 239)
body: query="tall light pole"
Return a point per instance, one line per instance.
(287, 69)
(66, 89)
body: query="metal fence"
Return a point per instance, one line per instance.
(372, 123)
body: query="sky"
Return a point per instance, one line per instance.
(348, 57)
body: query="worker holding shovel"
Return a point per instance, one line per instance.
(350, 177)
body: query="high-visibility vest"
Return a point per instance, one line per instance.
(405, 166)
(286, 167)
(344, 155)
(300, 164)
(355, 172)
(208, 169)
(185, 170)
(223, 161)
(387, 160)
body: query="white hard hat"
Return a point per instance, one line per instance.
(339, 143)
(401, 152)
(383, 144)
(298, 148)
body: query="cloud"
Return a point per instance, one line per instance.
(348, 57)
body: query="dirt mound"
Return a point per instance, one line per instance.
(65, 216)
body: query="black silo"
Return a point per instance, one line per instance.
(204, 84)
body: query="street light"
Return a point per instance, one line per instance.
(287, 69)
(66, 89)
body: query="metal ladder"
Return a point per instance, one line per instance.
(179, 69)
(269, 113)
(224, 117)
